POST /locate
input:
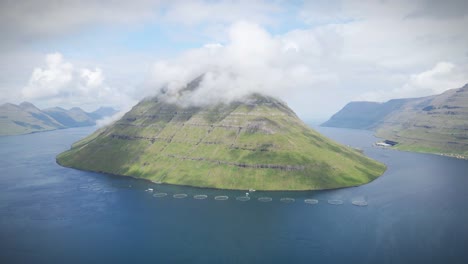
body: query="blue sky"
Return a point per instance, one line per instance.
(315, 55)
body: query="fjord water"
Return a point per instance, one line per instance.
(417, 213)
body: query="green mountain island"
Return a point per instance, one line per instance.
(255, 143)
(433, 124)
(26, 118)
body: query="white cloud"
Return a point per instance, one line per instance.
(48, 19)
(442, 77)
(329, 64)
(92, 78)
(441, 9)
(195, 12)
(111, 119)
(317, 55)
(29, 19)
(251, 61)
(60, 82)
(50, 81)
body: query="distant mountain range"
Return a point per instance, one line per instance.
(434, 124)
(27, 118)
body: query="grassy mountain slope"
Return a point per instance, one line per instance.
(434, 124)
(27, 118)
(257, 143)
(24, 118)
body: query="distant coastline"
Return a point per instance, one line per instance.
(434, 124)
(26, 118)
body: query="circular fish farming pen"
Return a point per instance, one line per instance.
(287, 200)
(179, 195)
(200, 197)
(265, 199)
(95, 188)
(359, 203)
(335, 202)
(221, 198)
(311, 201)
(243, 198)
(160, 194)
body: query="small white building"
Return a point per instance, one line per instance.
(382, 144)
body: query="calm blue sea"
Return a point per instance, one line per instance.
(417, 212)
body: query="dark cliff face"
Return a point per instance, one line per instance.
(257, 142)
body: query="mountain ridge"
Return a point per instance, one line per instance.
(27, 118)
(434, 124)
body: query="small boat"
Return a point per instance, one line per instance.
(149, 190)
(251, 190)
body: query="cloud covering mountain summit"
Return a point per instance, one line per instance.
(252, 61)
